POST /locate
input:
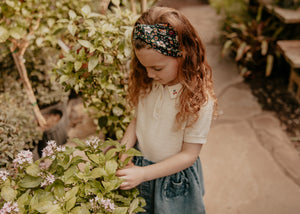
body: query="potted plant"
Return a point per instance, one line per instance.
(62, 182)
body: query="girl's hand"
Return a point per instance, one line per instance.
(132, 175)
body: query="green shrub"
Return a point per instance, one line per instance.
(63, 182)
(18, 127)
(97, 50)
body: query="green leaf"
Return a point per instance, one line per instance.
(8, 193)
(119, 133)
(30, 181)
(133, 152)
(77, 65)
(111, 153)
(80, 210)
(33, 170)
(269, 66)
(116, 2)
(98, 172)
(10, 3)
(50, 22)
(46, 206)
(4, 34)
(264, 47)
(59, 190)
(111, 167)
(93, 62)
(85, 43)
(117, 111)
(120, 210)
(96, 158)
(240, 52)
(71, 203)
(133, 205)
(24, 199)
(226, 46)
(17, 32)
(71, 193)
(55, 210)
(72, 14)
(86, 10)
(72, 28)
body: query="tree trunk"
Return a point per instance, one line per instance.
(28, 88)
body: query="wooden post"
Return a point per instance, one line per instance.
(133, 6)
(143, 5)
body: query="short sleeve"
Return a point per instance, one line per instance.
(197, 133)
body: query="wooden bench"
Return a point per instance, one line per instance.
(291, 52)
(287, 16)
(290, 48)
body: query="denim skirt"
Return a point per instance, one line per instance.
(179, 193)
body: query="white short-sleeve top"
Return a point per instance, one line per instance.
(156, 129)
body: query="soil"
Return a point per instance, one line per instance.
(271, 92)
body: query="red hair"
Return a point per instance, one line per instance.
(194, 73)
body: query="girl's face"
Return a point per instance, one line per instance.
(161, 68)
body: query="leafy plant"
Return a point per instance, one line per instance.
(18, 128)
(290, 4)
(63, 182)
(250, 38)
(30, 24)
(47, 89)
(97, 49)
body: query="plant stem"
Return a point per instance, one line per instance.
(19, 61)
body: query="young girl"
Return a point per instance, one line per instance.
(171, 88)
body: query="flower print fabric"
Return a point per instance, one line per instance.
(160, 37)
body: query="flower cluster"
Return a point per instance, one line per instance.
(48, 179)
(106, 203)
(64, 182)
(93, 142)
(51, 148)
(10, 208)
(3, 175)
(23, 157)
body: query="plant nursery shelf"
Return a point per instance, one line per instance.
(287, 16)
(291, 51)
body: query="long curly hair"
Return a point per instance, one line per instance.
(194, 73)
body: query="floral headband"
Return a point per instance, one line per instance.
(160, 37)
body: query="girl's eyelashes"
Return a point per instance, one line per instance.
(157, 69)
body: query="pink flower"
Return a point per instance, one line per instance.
(3, 175)
(49, 150)
(49, 179)
(108, 205)
(61, 148)
(93, 142)
(9, 207)
(22, 158)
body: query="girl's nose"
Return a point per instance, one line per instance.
(150, 74)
